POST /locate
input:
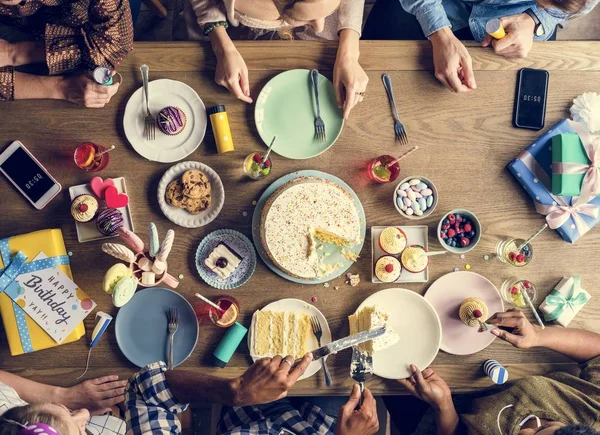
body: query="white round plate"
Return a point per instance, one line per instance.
(418, 325)
(446, 295)
(299, 306)
(165, 148)
(182, 217)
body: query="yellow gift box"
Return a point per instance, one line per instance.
(51, 243)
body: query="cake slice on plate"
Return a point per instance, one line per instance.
(371, 318)
(223, 260)
(279, 333)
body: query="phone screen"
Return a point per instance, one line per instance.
(27, 174)
(531, 107)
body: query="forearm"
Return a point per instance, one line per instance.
(29, 87)
(33, 392)
(28, 52)
(190, 387)
(220, 41)
(577, 344)
(446, 419)
(349, 45)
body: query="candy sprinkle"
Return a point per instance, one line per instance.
(326, 285)
(245, 214)
(455, 269)
(180, 276)
(314, 299)
(467, 266)
(486, 257)
(254, 203)
(462, 256)
(70, 254)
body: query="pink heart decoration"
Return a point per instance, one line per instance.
(99, 186)
(114, 199)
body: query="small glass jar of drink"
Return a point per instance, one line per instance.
(91, 157)
(383, 169)
(514, 251)
(513, 290)
(255, 168)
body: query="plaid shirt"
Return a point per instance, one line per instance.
(152, 409)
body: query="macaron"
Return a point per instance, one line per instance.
(114, 275)
(123, 291)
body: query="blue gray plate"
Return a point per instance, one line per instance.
(141, 327)
(240, 244)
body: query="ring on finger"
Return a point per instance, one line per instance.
(285, 360)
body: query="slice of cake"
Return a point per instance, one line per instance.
(280, 333)
(370, 318)
(223, 260)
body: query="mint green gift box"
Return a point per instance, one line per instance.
(568, 148)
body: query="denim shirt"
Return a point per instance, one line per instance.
(457, 14)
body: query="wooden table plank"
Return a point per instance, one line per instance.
(465, 143)
(376, 56)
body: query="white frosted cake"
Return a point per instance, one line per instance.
(279, 333)
(370, 318)
(301, 213)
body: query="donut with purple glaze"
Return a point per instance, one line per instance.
(109, 221)
(171, 120)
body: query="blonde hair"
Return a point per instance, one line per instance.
(13, 420)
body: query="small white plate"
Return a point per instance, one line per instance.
(165, 148)
(415, 235)
(419, 327)
(87, 231)
(182, 217)
(298, 306)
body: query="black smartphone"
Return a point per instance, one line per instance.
(530, 100)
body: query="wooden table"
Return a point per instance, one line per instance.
(465, 143)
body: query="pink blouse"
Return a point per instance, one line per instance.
(198, 13)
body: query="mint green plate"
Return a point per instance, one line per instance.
(286, 108)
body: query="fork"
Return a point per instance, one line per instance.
(173, 324)
(318, 331)
(320, 134)
(399, 130)
(149, 122)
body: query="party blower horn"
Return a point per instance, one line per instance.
(102, 322)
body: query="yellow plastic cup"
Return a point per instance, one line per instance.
(495, 29)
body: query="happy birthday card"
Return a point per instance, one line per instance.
(52, 299)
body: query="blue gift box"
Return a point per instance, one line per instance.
(533, 169)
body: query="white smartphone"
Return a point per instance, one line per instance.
(28, 175)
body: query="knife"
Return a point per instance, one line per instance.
(361, 370)
(344, 343)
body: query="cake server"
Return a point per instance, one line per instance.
(361, 370)
(345, 343)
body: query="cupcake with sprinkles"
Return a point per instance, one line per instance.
(171, 120)
(109, 221)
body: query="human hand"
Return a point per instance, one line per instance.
(349, 79)
(519, 37)
(452, 61)
(268, 379)
(362, 421)
(95, 395)
(6, 53)
(428, 387)
(516, 329)
(81, 89)
(232, 73)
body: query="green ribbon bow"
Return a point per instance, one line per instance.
(556, 298)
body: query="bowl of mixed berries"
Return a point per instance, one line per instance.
(459, 231)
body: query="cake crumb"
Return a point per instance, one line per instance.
(337, 287)
(462, 256)
(353, 280)
(349, 255)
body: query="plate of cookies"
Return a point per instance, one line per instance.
(191, 194)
